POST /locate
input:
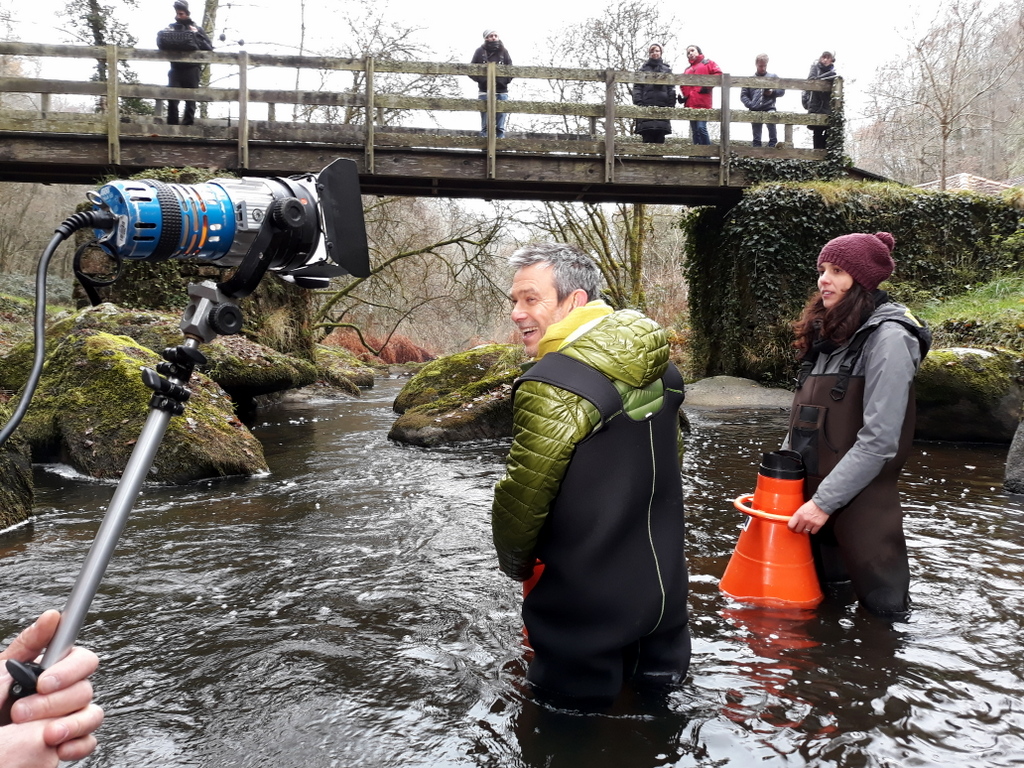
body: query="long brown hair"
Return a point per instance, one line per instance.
(837, 324)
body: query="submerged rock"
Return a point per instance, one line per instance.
(459, 398)
(91, 405)
(970, 395)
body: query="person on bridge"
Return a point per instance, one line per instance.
(183, 35)
(853, 422)
(592, 488)
(651, 95)
(762, 100)
(819, 102)
(698, 96)
(493, 50)
(58, 721)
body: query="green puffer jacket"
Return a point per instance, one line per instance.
(633, 352)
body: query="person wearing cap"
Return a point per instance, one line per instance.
(652, 95)
(183, 74)
(820, 102)
(852, 421)
(493, 50)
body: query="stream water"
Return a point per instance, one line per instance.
(346, 610)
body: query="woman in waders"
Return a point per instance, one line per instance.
(853, 421)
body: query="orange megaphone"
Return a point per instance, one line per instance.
(772, 566)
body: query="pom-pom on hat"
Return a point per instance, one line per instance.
(868, 258)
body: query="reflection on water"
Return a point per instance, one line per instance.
(346, 610)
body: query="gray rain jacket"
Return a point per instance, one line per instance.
(888, 363)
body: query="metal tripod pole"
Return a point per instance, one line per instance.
(86, 585)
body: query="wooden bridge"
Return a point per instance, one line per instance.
(592, 158)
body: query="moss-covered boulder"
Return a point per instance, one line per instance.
(970, 395)
(459, 398)
(242, 367)
(343, 369)
(16, 490)
(91, 404)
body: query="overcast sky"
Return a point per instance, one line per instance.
(863, 34)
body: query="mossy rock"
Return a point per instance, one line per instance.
(970, 395)
(1001, 330)
(91, 404)
(242, 367)
(341, 368)
(467, 373)
(459, 398)
(16, 489)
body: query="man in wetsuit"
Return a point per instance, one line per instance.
(593, 488)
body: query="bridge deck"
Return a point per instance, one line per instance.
(600, 161)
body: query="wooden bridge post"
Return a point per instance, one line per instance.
(243, 109)
(368, 151)
(492, 101)
(113, 109)
(609, 125)
(723, 141)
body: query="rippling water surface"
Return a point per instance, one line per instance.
(346, 610)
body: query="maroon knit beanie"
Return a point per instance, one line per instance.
(866, 257)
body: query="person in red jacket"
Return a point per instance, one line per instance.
(696, 96)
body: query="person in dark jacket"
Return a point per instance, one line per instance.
(651, 95)
(698, 96)
(762, 100)
(184, 74)
(592, 488)
(819, 102)
(853, 421)
(493, 50)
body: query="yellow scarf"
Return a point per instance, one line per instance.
(572, 326)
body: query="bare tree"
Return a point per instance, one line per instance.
(952, 94)
(618, 38)
(93, 23)
(433, 275)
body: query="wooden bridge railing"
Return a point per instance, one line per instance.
(606, 135)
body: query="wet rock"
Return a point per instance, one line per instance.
(970, 395)
(16, 490)
(91, 405)
(242, 367)
(733, 392)
(459, 398)
(343, 369)
(1014, 481)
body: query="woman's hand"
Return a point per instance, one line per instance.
(807, 519)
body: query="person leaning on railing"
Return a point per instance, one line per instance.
(698, 96)
(651, 95)
(182, 36)
(819, 102)
(493, 50)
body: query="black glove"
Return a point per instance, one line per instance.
(706, 89)
(680, 99)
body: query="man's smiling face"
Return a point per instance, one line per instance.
(535, 304)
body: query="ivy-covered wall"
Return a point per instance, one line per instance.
(751, 269)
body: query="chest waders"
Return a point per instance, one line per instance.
(611, 602)
(862, 542)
